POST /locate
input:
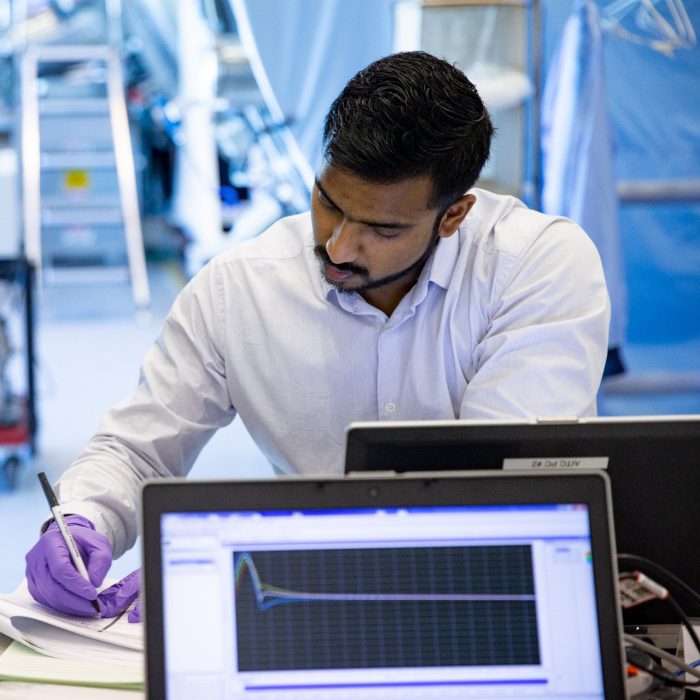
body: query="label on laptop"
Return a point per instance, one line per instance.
(556, 463)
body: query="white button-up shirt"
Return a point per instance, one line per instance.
(509, 318)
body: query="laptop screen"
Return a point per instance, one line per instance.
(398, 602)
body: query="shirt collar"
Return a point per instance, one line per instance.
(438, 270)
(442, 264)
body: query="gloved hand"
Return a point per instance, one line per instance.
(52, 577)
(120, 596)
(135, 612)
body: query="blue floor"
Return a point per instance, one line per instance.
(89, 348)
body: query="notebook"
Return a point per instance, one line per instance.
(443, 586)
(653, 463)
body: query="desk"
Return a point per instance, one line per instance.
(9, 690)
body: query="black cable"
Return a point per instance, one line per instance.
(652, 650)
(644, 662)
(660, 571)
(670, 579)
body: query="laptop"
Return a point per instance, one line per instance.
(653, 463)
(455, 585)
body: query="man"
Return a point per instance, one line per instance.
(433, 300)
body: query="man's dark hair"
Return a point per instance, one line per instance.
(407, 115)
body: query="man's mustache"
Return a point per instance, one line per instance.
(322, 255)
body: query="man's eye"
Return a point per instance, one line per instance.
(325, 202)
(385, 232)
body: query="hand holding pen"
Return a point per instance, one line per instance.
(74, 553)
(68, 562)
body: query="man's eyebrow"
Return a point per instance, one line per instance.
(325, 194)
(376, 224)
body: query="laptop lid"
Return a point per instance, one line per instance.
(653, 463)
(466, 585)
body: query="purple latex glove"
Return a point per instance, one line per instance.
(135, 612)
(120, 596)
(51, 575)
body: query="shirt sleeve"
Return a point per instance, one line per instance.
(544, 346)
(182, 398)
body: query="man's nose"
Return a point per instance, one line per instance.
(343, 245)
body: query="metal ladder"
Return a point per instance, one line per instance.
(81, 211)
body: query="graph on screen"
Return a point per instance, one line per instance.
(385, 607)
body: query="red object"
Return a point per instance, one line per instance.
(16, 434)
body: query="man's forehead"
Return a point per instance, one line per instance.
(405, 200)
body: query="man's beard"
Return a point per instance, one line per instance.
(367, 282)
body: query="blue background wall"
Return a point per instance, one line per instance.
(655, 111)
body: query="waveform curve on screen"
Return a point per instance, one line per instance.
(267, 595)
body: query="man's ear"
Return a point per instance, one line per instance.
(455, 214)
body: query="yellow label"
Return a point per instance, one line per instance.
(76, 179)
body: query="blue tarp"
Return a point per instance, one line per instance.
(577, 150)
(655, 111)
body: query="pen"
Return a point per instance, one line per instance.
(65, 532)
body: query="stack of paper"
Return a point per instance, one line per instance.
(19, 663)
(113, 647)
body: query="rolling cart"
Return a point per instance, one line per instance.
(18, 421)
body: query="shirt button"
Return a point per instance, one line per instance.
(390, 407)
